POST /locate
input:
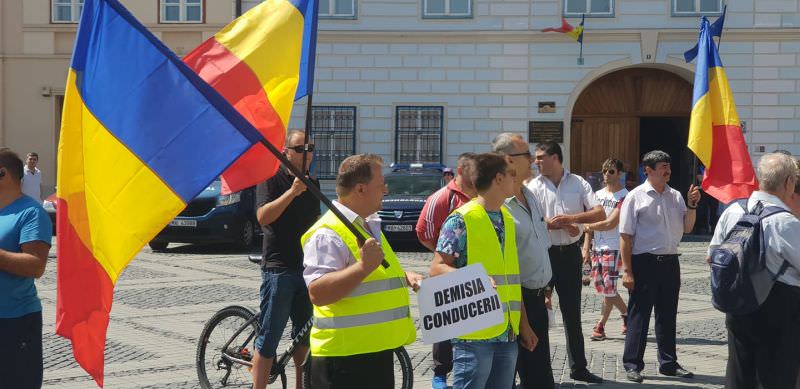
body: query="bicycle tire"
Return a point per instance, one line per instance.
(232, 312)
(402, 361)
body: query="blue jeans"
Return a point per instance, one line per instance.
(479, 365)
(283, 295)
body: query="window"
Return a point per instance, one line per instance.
(591, 8)
(337, 9)
(333, 130)
(248, 5)
(419, 134)
(436, 9)
(181, 11)
(67, 11)
(696, 7)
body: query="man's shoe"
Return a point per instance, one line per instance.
(679, 372)
(439, 382)
(599, 333)
(585, 376)
(634, 376)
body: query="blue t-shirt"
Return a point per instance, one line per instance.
(21, 222)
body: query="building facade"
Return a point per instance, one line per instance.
(426, 80)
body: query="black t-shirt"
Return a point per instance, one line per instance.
(282, 247)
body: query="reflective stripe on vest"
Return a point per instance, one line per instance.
(378, 286)
(326, 323)
(501, 279)
(515, 306)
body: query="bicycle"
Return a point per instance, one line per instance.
(231, 357)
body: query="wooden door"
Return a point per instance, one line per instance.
(596, 139)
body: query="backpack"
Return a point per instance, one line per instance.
(740, 280)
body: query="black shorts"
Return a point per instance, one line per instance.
(21, 362)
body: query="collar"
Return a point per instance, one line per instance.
(765, 198)
(352, 216)
(525, 192)
(649, 188)
(563, 177)
(452, 186)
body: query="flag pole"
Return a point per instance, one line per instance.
(309, 105)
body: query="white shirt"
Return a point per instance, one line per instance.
(608, 240)
(532, 241)
(32, 183)
(655, 220)
(325, 252)
(781, 234)
(573, 195)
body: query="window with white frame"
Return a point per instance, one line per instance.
(337, 9)
(333, 130)
(182, 11)
(447, 8)
(418, 134)
(576, 8)
(67, 11)
(696, 7)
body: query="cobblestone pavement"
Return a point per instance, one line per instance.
(163, 300)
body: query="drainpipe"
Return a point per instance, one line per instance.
(238, 8)
(3, 14)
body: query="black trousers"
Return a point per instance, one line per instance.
(534, 366)
(657, 283)
(763, 347)
(21, 361)
(566, 264)
(367, 371)
(442, 358)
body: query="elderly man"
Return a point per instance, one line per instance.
(566, 199)
(763, 345)
(535, 370)
(653, 219)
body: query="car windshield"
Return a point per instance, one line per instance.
(413, 185)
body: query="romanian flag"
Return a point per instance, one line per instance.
(715, 133)
(575, 33)
(141, 135)
(261, 63)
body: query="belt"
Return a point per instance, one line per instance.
(564, 246)
(659, 258)
(538, 292)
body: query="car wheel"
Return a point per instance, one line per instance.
(158, 246)
(248, 234)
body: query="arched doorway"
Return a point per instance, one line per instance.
(627, 113)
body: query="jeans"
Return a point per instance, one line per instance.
(21, 361)
(283, 295)
(479, 365)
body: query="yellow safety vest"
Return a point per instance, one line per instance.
(376, 316)
(501, 265)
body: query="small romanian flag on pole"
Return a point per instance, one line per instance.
(262, 62)
(576, 33)
(715, 133)
(141, 135)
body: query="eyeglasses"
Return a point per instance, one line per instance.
(526, 153)
(301, 148)
(610, 171)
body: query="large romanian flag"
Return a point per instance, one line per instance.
(715, 133)
(261, 63)
(141, 136)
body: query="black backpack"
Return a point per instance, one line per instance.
(740, 280)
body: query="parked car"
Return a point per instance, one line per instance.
(49, 205)
(213, 218)
(409, 185)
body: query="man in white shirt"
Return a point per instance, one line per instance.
(763, 346)
(32, 178)
(567, 200)
(534, 367)
(653, 219)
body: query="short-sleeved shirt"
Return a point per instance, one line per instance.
(532, 241)
(655, 220)
(22, 221)
(281, 247)
(436, 209)
(608, 240)
(32, 183)
(573, 195)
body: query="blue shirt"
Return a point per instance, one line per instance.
(21, 222)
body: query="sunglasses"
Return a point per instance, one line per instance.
(301, 148)
(526, 153)
(610, 171)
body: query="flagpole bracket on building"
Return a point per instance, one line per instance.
(580, 60)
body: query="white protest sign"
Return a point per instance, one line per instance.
(458, 303)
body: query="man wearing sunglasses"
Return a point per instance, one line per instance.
(285, 211)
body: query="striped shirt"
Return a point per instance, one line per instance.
(437, 207)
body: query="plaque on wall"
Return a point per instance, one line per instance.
(546, 131)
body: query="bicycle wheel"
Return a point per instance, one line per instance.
(216, 369)
(403, 371)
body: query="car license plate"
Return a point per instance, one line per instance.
(397, 227)
(183, 223)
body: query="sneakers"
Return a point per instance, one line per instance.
(439, 382)
(599, 333)
(624, 324)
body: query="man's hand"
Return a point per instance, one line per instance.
(548, 300)
(371, 255)
(627, 280)
(298, 187)
(694, 196)
(551, 225)
(572, 229)
(413, 280)
(562, 220)
(527, 337)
